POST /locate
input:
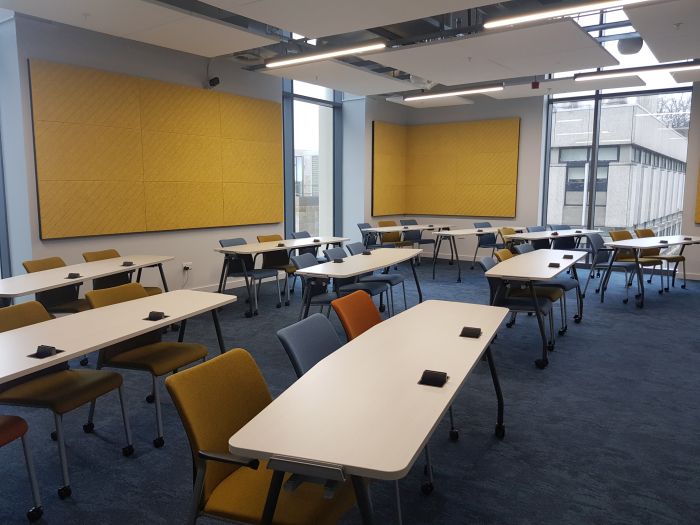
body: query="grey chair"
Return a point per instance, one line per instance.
(600, 257)
(308, 341)
(318, 288)
(369, 239)
(392, 279)
(309, 249)
(542, 243)
(346, 286)
(243, 266)
(415, 236)
(486, 240)
(566, 243)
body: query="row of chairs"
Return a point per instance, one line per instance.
(410, 238)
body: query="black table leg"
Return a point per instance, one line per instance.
(500, 427)
(606, 276)
(181, 331)
(459, 266)
(272, 497)
(162, 277)
(222, 279)
(217, 327)
(543, 361)
(415, 278)
(251, 297)
(435, 253)
(138, 275)
(640, 280)
(364, 502)
(579, 297)
(307, 301)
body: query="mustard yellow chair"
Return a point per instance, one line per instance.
(503, 232)
(62, 300)
(393, 238)
(628, 255)
(278, 260)
(58, 388)
(655, 253)
(110, 281)
(146, 352)
(226, 487)
(503, 254)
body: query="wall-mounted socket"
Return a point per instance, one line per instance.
(187, 266)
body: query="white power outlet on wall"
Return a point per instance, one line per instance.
(187, 266)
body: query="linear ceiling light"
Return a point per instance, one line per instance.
(562, 11)
(633, 71)
(313, 57)
(473, 91)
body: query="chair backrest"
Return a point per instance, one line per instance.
(304, 260)
(486, 239)
(107, 281)
(368, 238)
(276, 258)
(506, 231)
(524, 248)
(408, 222)
(411, 235)
(355, 248)
(486, 263)
(198, 392)
(121, 294)
(622, 235)
(560, 226)
(335, 253)
(235, 264)
(301, 235)
(536, 228)
(647, 232)
(309, 341)
(56, 296)
(597, 245)
(390, 236)
(357, 313)
(503, 254)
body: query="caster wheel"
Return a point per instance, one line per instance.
(255, 312)
(150, 398)
(529, 314)
(279, 305)
(382, 308)
(459, 280)
(500, 431)
(541, 363)
(625, 301)
(550, 347)
(35, 513)
(128, 451)
(88, 428)
(83, 362)
(451, 263)
(683, 286)
(472, 268)
(577, 319)
(666, 290)
(661, 292)
(291, 291)
(64, 492)
(286, 303)
(158, 442)
(454, 435)
(640, 305)
(54, 436)
(248, 314)
(562, 331)
(648, 281)
(247, 301)
(509, 325)
(427, 488)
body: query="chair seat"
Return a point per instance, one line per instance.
(668, 258)
(260, 273)
(241, 497)
(565, 283)
(152, 290)
(391, 279)
(545, 292)
(497, 245)
(323, 298)
(643, 261)
(11, 428)
(425, 241)
(372, 288)
(397, 244)
(287, 268)
(522, 304)
(62, 391)
(159, 358)
(71, 307)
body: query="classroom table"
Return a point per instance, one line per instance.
(30, 283)
(79, 334)
(401, 229)
(360, 412)
(534, 266)
(356, 265)
(635, 246)
(256, 248)
(452, 235)
(550, 235)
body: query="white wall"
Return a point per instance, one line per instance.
(692, 175)
(60, 43)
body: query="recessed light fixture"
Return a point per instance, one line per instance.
(313, 57)
(472, 91)
(559, 12)
(633, 71)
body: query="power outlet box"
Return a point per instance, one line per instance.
(187, 266)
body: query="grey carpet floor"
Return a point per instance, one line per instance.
(608, 433)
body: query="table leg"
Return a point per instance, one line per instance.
(251, 296)
(415, 278)
(307, 301)
(224, 272)
(181, 331)
(217, 327)
(500, 427)
(606, 276)
(364, 502)
(138, 275)
(579, 297)
(456, 255)
(640, 281)
(436, 249)
(272, 497)
(543, 361)
(162, 278)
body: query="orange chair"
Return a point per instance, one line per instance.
(12, 428)
(357, 313)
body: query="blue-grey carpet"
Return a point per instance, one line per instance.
(608, 433)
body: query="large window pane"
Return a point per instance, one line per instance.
(313, 168)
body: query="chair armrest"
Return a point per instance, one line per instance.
(228, 458)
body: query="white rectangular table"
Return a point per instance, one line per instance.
(357, 265)
(534, 266)
(409, 227)
(360, 412)
(636, 246)
(30, 283)
(88, 331)
(550, 236)
(256, 248)
(452, 235)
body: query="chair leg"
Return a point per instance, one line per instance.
(685, 282)
(36, 511)
(158, 442)
(65, 490)
(286, 289)
(427, 486)
(89, 427)
(562, 309)
(474, 258)
(201, 467)
(405, 303)
(390, 295)
(551, 328)
(397, 493)
(454, 433)
(128, 450)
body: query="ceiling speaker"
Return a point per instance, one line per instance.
(630, 46)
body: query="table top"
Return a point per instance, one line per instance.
(654, 242)
(359, 264)
(534, 266)
(475, 231)
(85, 332)
(362, 407)
(289, 244)
(538, 236)
(410, 227)
(29, 283)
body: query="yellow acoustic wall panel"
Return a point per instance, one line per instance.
(389, 168)
(697, 202)
(460, 168)
(151, 155)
